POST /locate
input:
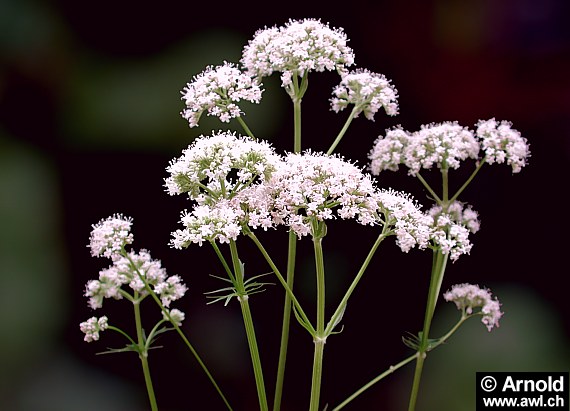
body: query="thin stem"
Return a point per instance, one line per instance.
(245, 127)
(452, 331)
(223, 261)
(438, 270)
(151, 292)
(428, 188)
(279, 276)
(124, 334)
(445, 184)
(342, 305)
(291, 254)
(343, 130)
(143, 355)
(471, 177)
(375, 380)
(320, 337)
(249, 328)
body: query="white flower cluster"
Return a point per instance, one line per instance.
(367, 91)
(446, 145)
(298, 191)
(218, 172)
(176, 316)
(217, 90)
(92, 327)
(110, 235)
(298, 47)
(468, 296)
(131, 269)
(203, 171)
(412, 227)
(458, 213)
(220, 221)
(502, 143)
(451, 237)
(388, 152)
(128, 270)
(309, 186)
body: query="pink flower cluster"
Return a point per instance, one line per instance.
(446, 145)
(467, 297)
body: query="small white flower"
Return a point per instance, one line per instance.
(217, 91)
(468, 297)
(92, 327)
(110, 235)
(176, 315)
(501, 143)
(367, 91)
(297, 48)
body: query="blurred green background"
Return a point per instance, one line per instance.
(89, 119)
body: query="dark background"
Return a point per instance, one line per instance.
(89, 119)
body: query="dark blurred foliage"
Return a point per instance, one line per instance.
(89, 119)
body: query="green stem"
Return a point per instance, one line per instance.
(245, 127)
(292, 248)
(320, 337)
(317, 374)
(297, 125)
(124, 334)
(445, 184)
(438, 270)
(343, 131)
(151, 292)
(452, 331)
(471, 177)
(249, 328)
(375, 380)
(428, 188)
(143, 355)
(223, 261)
(299, 309)
(342, 305)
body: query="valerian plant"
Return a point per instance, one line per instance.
(238, 184)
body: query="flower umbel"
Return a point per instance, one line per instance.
(309, 186)
(452, 238)
(298, 47)
(467, 297)
(367, 91)
(110, 235)
(410, 225)
(444, 145)
(127, 270)
(217, 91)
(204, 169)
(501, 143)
(92, 327)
